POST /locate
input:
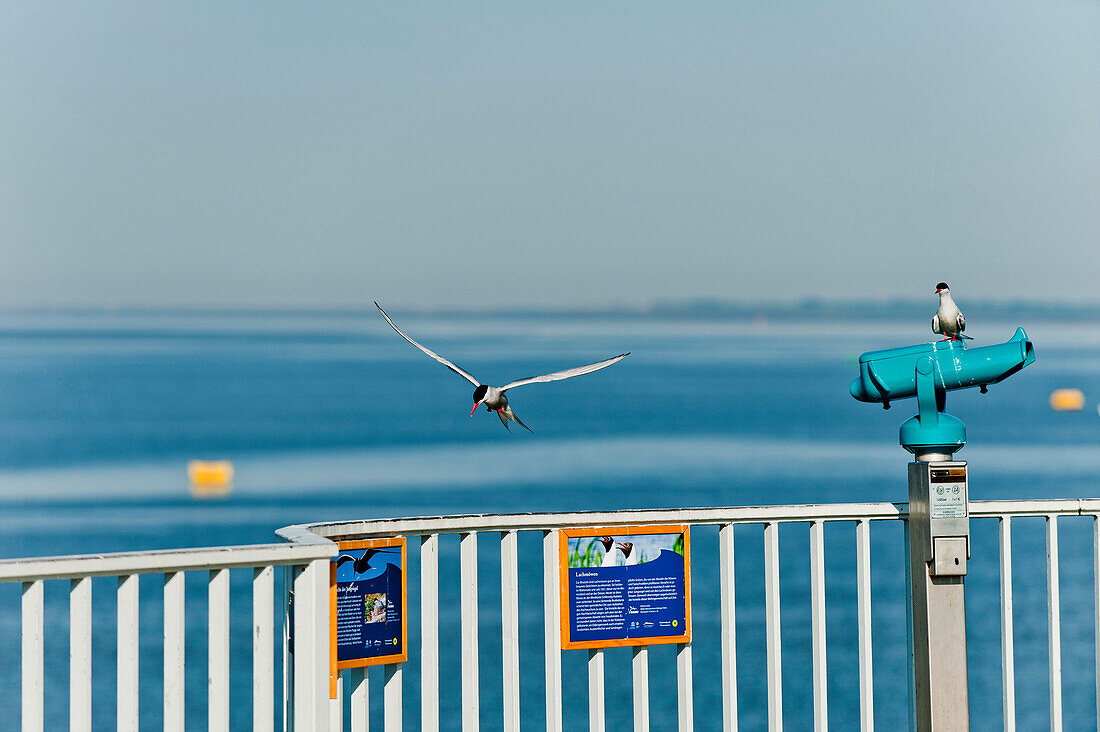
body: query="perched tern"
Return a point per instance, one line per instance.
(493, 396)
(948, 321)
(609, 558)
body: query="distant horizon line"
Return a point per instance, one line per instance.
(702, 306)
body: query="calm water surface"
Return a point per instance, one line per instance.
(333, 417)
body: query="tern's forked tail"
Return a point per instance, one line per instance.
(507, 414)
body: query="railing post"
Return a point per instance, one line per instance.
(938, 537)
(80, 654)
(685, 689)
(287, 621)
(471, 678)
(34, 714)
(128, 653)
(728, 593)
(509, 619)
(263, 649)
(596, 714)
(1008, 662)
(551, 637)
(772, 627)
(217, 674)
(175, 631)
(311, 646)
(1054, 625)
(429, 633)
(817, 626)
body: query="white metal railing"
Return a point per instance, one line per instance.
(428, 530)
(305, 673)
(310, 554)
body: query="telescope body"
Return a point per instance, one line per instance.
(892, 373)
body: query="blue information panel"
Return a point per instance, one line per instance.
(625, 586)
(368, 605)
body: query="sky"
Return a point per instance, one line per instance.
(569, 154)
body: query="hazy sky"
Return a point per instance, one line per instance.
(482, 154)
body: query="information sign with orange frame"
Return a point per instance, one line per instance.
(368, 607)
(625, 586)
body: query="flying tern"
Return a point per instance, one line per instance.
(493, 397)
(948, 321)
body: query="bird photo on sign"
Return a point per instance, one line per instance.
(365, 564)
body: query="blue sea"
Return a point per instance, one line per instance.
(331, 416)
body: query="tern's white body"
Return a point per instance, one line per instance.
(948, 320)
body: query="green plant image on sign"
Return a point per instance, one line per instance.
(591, 556)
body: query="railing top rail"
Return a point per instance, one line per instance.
(1037, 507)
(307, 542)
(695, 516)
(160, 561)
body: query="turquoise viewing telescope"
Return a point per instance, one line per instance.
(928, 371)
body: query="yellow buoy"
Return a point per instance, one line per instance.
(1067, 400)
(210, 477)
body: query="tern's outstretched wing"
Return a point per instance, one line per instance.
(961, 323)
(936, 323)
(433, 354)
(559, 375)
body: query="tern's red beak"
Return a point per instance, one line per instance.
(476, 405)
(938, 291)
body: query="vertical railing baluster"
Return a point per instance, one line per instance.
(470, 677)
(217, 665)
(33, 662)
(174, 645)
(429, 633)
(1008, 664)
(640, 674)
(728, 596)
(311, 646)
(336, 705)
(551, 630)
(263, 649)
(321, 613)
(360, 700)
(863, 595)
(685, 689)
(391, 696)
(596, 715)
(1054, 625)
(128, 654)
(285, 620)
(772, 626)
(1096, 606)
(817, 623)
(509, 613)
(304, 702)
(80, 654)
